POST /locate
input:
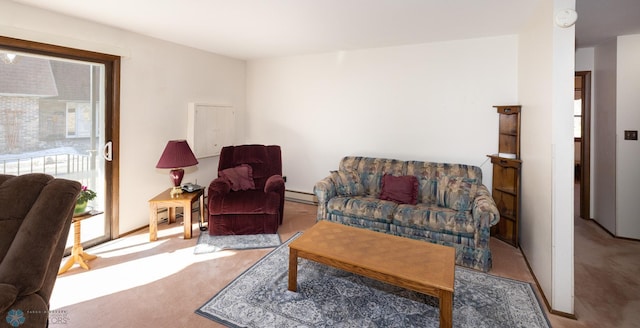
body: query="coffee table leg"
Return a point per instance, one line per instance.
(293, 269)
(446, 309)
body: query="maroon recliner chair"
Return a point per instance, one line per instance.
(248, 195)
(35, 216)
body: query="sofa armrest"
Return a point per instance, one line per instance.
(274, 183)
(324, 190)
(484, 209)
(485, 214)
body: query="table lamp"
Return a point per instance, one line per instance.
(177, 154)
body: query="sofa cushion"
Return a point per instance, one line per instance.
(428, 190)
(435, 218)
(402, 189)
(240, 177)
(347, 183)
(456, 192)
(368, 208)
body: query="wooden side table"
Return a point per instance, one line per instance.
(184, 200)
(77, 252)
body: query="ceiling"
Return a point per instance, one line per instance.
(250, 29)
(600, 20)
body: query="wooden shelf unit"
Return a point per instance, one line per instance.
(506, 175)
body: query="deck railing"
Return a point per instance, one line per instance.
(55, 165)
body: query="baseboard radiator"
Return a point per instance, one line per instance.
(300, 197)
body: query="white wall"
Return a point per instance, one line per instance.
(546, 69)
(616, 110)
(535, 96)
(158, 82)
(428, 102)
(584, 59)
(562, 163)
(628, 151)
(604, 135)
(158, 79)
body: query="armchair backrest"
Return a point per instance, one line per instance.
(35, 216)
(265, 161)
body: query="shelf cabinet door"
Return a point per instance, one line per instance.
(506, 230)
(507, 204)
(506, 194)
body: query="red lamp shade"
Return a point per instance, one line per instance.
(177, 154)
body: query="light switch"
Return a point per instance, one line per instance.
(630, 134)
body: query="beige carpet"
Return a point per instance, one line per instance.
(137, 283)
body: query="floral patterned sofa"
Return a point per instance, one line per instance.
(441, 203)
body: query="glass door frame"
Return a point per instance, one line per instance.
(112, 114)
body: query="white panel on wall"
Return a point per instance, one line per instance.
(210, 127)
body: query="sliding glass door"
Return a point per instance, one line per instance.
(56, 117)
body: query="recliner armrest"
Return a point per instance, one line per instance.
(275, 183)
(219, 187)
(8, 295)
(30, 266)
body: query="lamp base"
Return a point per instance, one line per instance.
(176, 178)
(175, 192)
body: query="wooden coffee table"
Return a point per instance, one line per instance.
(417, 265)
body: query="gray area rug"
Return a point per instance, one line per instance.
(328, 297)
(209, 244)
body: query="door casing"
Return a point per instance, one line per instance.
(585, 150)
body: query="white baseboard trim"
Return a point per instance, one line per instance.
(300, 197)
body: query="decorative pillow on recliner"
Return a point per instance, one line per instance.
(456, 192)
(347, 183)
(240, 177)
(402, 189)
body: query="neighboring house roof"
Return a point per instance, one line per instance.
(53, 79)
(72, 80)
(27, 76)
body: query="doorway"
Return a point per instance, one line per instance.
(582, 140)
(60, 116)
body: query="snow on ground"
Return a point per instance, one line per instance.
(40, 153)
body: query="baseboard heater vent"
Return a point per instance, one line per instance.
(300, 197)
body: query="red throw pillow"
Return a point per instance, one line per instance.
(402, 189)
(240, 177)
